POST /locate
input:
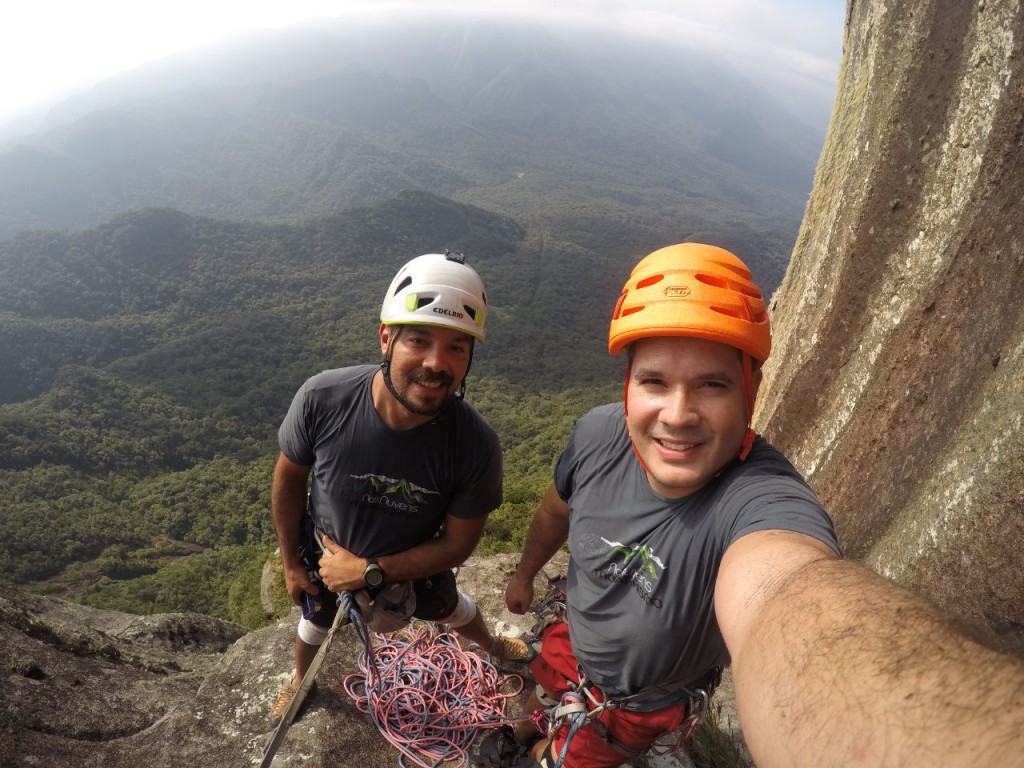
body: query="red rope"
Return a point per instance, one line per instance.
(427, 696)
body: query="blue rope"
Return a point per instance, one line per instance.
(576, 721)
(347, 602)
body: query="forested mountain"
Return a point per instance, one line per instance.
(148, 362)
(181, 248)
(165, 289)
(567, 130)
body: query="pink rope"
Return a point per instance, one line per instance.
(427, 696)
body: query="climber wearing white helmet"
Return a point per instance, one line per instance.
(404, 470)
(433, 291)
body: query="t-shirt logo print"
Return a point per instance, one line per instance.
(390, 492)
(641, 573)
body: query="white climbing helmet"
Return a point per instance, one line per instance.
(437, 289)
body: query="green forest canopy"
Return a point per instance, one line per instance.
(149, 362)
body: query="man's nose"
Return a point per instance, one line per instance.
(436, 359)
(678, 408)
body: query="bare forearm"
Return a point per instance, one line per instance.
(841, 668)
(288, 505)
(548, 531)
(342, 569)
(423, 560)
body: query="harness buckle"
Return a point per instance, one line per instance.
(585, 688)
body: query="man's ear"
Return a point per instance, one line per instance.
(385, 337)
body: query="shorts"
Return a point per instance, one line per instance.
(436, 598)
(555, 669)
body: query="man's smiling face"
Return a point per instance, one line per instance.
(686, 410)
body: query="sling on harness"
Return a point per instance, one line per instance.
(550, 610)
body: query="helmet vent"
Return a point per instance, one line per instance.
(729, 311)
(618, 306)
(469, 311)
(402, 285)
(632, 310)
(714, 280)
(729, 285)
(749, 315)
(647, 281)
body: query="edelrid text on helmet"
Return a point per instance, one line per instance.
(437, 289)
(697, 290)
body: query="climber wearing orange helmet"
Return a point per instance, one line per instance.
(651, 494)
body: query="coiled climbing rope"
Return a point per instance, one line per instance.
(427, 696)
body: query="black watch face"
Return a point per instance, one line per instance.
(373, 577)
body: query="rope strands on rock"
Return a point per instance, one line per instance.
(427, 696)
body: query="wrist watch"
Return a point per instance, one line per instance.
(373, 574)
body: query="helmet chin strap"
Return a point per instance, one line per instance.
(461, 393)
(385, 367)
(748, 386)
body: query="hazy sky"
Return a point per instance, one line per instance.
(53, 48)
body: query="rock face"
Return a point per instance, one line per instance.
(897, 381)
(85, 688)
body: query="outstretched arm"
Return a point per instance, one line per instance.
(548, 531)
(834, 665)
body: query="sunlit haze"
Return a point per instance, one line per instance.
(50, 49)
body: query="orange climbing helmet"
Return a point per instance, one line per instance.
(691, 289)
(701, 291)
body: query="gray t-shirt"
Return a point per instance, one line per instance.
(376, 490)
(643, 568)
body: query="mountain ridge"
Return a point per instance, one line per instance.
(354, 118)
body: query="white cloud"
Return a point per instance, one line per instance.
(52, 47)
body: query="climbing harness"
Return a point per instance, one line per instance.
(580, 706)
(427, 696)
(348, 611)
